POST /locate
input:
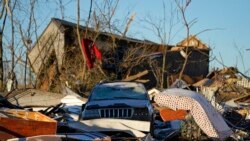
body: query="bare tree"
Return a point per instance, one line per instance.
(182, 5)
(104, 20)
(134, 57)
(26, 39)
(3, 15)
(128, 24)
(12, 37)
(61, 6)
(79, 40)
(241, 57)
(164, 35)
(12, 46)
(105, 13)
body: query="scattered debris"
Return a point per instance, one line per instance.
(227, 90)
(181, 114)
(94, 136)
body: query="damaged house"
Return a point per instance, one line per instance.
(197, 54)
(57, 60)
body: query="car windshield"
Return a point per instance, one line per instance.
(118, 91)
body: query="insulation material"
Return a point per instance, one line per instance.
(204, 114)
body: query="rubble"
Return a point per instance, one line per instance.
(228, 91)
(216, 107)
(67, 136)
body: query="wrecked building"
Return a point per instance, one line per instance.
(56, 58)
(198, 60)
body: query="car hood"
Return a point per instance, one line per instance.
(117, 103)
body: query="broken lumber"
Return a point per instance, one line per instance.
(138, 75)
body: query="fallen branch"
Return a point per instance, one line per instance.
(138, 75)
(142, 80)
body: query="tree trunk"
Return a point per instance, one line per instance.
(12, 49)
(25, 69)
(1, 62)
(1, 54)
(12, 44)
(79, 40)
(164, 61)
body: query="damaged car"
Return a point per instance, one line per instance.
(118, 106)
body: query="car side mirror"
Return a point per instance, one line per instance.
(83, 106)
(80, 114)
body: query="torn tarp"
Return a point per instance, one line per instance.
(204, 114)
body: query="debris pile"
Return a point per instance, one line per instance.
(216, 107)
(226, 91)
(40, 115)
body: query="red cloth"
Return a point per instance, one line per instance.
(91, 52)
(169, 114)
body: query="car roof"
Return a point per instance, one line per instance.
(121, 84)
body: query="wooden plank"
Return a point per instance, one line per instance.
(23, 124)
(138, 75)
(142, 80)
